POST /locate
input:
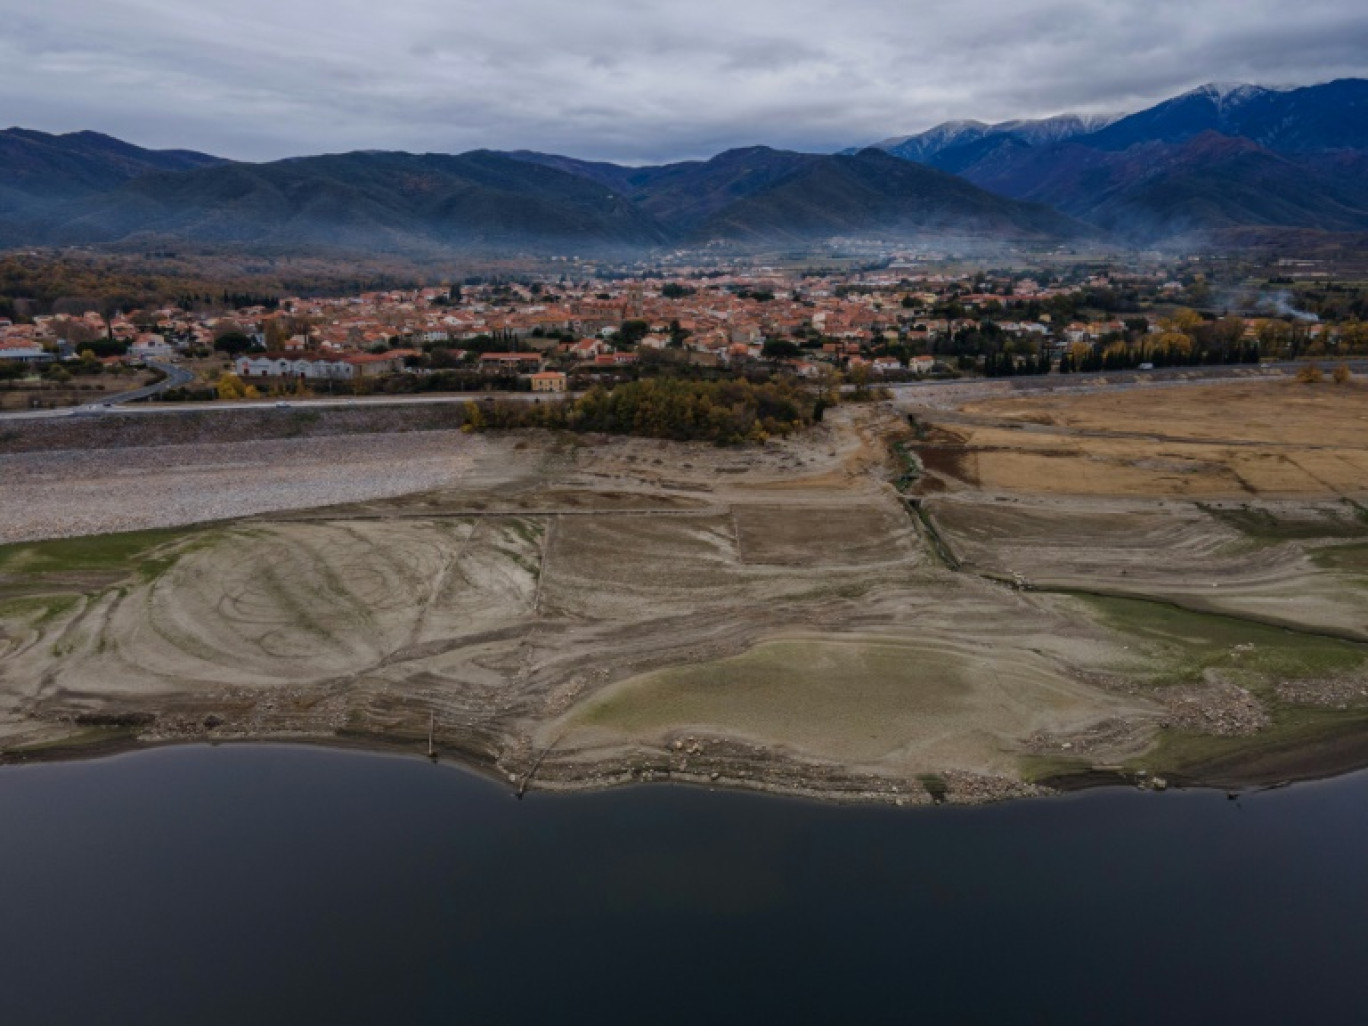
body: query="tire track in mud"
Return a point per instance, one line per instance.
(439, 585)
(527, 646)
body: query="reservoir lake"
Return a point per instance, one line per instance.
(289, 884)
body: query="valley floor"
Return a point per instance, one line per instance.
(1070, 588)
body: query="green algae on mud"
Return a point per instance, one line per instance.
(43, 581)
(1302, 743)
(1316, 521)
(108, 553)
(1298, 740)
(1352, 558)
(859, 698)
(1179, 645)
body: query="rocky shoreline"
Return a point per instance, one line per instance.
(710, 762)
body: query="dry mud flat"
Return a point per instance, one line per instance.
(583, 612)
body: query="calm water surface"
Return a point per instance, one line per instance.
(259, 884)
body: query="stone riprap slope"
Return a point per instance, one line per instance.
(80, 492)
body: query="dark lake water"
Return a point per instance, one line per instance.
(259, 884)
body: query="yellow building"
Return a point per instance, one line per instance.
(548, 381)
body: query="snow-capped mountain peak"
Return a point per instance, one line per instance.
(1228, 95)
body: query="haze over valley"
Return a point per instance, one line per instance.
(1218, 167)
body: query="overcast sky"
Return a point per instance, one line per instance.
(628, 80)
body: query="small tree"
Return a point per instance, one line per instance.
(1310, 374)
(474, 418)
(859, 377)
(275, 334)
(633, 332)
(233, 343)
(781, 349)
(230, 387)
(1341, 374)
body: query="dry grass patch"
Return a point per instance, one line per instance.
(1255, 438)
(1276, 412)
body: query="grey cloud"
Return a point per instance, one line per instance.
(639, 81)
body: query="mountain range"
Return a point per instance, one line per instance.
(1215, 160)
(486, 201)
(950, 134)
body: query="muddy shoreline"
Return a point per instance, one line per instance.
(737, 766)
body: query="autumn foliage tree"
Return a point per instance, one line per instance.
(724, 412)
(231, 387)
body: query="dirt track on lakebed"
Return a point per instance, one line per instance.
(579, 612)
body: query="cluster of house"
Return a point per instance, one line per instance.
(850, 320)
(717, 318)
(723, 316)
(49, 337)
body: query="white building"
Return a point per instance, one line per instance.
(23, 351)
(921, 364)
(312, 368)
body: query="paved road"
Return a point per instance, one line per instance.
(1082, 379)
(1027, 383)
(316, 403)
(175, 377)
(120, 405)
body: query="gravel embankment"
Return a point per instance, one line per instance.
(952, 395)
(185, 424)
(74, 492)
